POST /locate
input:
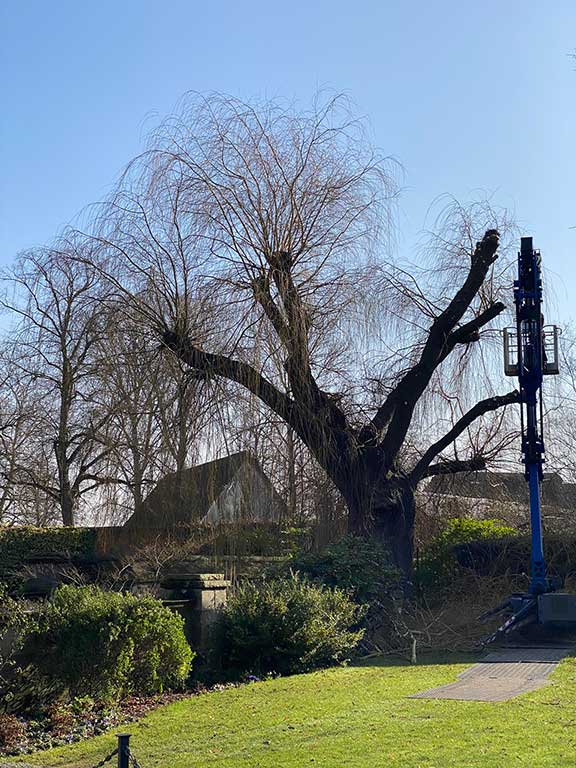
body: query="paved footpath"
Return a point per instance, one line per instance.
(503, 674)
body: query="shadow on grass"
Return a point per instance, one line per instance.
(423, 659)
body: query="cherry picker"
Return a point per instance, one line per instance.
(530, 353)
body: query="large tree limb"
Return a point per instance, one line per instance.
(291, 325)
(233, 370)
(261, 289)
(482, 259)
(450, 466)
(465, 334)
(399, 406)
(316, 420)
(482, 407)
(470, 331)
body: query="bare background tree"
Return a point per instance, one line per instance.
(52, 294)
(560, 432)
(20, 438)
(158, 413)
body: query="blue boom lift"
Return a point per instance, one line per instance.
(530, 353)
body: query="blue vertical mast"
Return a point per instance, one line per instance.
(531, 365)
(530, 353)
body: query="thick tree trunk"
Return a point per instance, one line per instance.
(61, 445)
(137, 486)
(384, 510)
(67, 506)
(393, 524)
(65, 493)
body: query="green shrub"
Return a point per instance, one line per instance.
(360, 566)
(511, 555)
(14, 618)
(438, 565)
(286, 626)
(462, 530)
(108, 645)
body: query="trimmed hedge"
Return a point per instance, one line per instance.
(21, 542)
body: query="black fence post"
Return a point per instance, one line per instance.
(123, 749)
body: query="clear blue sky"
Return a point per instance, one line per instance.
(466, 95)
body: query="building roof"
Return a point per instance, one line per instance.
(503, 486)
(185, 498)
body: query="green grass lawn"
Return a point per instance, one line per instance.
(354, 716)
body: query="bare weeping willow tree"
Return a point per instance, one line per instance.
(252, 241)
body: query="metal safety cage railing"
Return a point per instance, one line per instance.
(550, 350)
(510, 351)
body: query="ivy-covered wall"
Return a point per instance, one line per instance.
(19, 543)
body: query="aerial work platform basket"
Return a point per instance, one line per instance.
(550, 350)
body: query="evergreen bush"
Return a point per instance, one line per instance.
(358, 565)
(285, 626)
(439, 564)
(108, 645)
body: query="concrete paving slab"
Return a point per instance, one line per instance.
(488, 691)
(502, 675)
(524, 670)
